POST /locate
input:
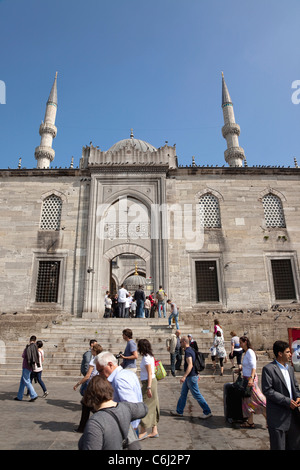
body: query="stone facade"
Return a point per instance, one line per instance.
(217, 239)
(242, 247)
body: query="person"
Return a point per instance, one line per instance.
(108, 305)
(220, 350)
(30, 357)
(109, 425)
(217, 327)
(147, 307)
(122, 293)
(139, 297)
(133, 309)
(160, 296)
(193, 343)
(173, 346)
(86, 358)
(130, 354)
(92, 372)
(149, 390)
(153, 305)
(189, 381)
(115, 306)
(36, 373)
(282, 393)
(174, 314)
(236, 350)
(128, 304)
(126, 385)
(256, 403)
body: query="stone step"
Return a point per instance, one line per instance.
(65, 342)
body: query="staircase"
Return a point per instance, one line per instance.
(65, 342)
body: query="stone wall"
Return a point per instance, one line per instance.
(243, 246)
(263, 328)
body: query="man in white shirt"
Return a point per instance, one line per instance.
(282, 393)
(122, 294)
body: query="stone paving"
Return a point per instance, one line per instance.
(48, 423)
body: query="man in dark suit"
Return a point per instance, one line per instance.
(282, 393)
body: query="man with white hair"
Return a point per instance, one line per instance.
(125, 384)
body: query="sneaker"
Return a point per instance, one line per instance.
(45, 394)
(205, 416)
(174, 413)
(169, 326)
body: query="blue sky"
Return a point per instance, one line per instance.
(154, 66)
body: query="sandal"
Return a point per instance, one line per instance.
(246, 424)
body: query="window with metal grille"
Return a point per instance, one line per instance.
(47, 282)
(209, 211)
(273, 211)
(51, 213)
(283, 279)
(207, 281)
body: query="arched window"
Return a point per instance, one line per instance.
(209, 211)
(51, 213)
(274, 216)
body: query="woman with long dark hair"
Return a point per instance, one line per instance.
(256, 403)
(149, 390)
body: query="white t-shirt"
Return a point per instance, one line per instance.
(122, 295)
(94, 371)
(41, 356)
(249, 362)
(144, 362)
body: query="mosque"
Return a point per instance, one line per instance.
(216, 238)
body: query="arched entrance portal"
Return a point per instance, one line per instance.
(128, 269)
(121, 226)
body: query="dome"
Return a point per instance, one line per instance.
(134, 281)
(137, 144)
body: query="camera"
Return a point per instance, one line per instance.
(117, 356)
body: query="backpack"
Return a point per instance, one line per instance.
(160, 295)
(199, 363)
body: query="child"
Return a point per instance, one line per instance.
(133, 308)
(147, 307)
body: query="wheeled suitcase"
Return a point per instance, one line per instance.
(232, 403)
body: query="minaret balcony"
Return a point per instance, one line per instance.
(234, 156)
(47, 128)
(44, 152)
(231, 128)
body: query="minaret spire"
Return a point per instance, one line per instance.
(234, 155)
(45, 153)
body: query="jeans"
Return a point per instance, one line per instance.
(121, 309)
(38, 377)
(140, 308)
(26, 382)
(162, 305)
(191, 383)
(174, 315)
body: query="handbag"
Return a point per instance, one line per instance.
(129, 442)
(239, 385)
(160, 372)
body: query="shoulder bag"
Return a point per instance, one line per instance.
(131, 441)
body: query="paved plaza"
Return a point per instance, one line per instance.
(48, 423)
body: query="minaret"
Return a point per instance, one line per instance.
(234, 155)
(45, 153)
